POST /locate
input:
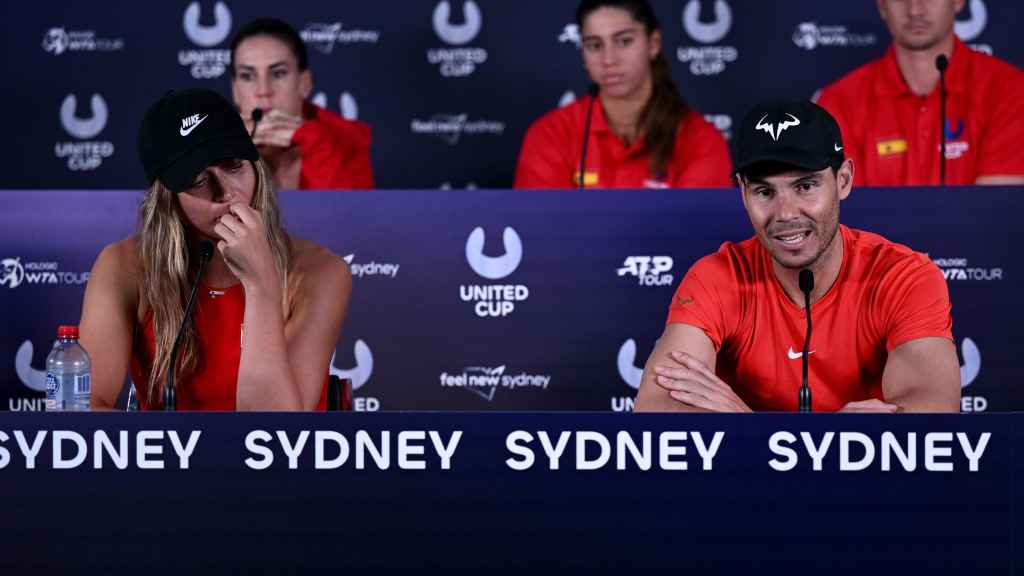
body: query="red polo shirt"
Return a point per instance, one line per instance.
(885, 296)
(893, 134)
(550, 155)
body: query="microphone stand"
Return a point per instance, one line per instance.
(592, 91)
(170, 393)
(806, 286)
(941, 63)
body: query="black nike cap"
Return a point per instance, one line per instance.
(800, 134)
(186, 131)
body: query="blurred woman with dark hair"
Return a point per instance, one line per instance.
(641, 132)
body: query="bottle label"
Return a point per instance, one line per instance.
(53, 400)
(83, 384)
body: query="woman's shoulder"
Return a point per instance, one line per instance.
(120, 258)
(318, 263)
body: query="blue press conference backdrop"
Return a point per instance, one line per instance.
(512, 300)
(448, 87)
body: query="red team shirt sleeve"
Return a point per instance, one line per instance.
(830, 100)
(914, 303)
(334, 157)
(700, 302)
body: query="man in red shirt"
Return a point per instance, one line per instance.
(882, 339)
(306, 147)
(889, 109)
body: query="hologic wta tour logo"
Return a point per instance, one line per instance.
(811, 35)
(711, 58)
(457, 60)
(85, 153)
(494, 300)
(206, 62)
(359, 375)
(15, 273)
(59, 40)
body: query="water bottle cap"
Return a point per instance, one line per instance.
(67, 331)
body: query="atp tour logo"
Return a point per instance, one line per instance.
(494, 300)
(811, 35)
(207, 62)
(359, 376)
(322, 37)
(57, 41)
(711, 58)
(957, 270)
(360, 270)
(648, 270)
(484, 381)
(629, 373)
(14, 273)
(84, 154)
(34, 380)
(463, 60)
(970, 367)
(451, 127)
(347, 104)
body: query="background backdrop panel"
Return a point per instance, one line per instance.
(506, 300)
(448, 100)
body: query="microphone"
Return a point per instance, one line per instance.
(592, 91)
(806, 286)
(257, 115)
(170, 394)
(941, 63)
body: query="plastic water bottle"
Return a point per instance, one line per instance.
(68, 373)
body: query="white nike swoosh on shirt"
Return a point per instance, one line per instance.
(185, 132)
(796, 355)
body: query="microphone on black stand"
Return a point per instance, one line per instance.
(941, 62)
(170, 394)
(806, 286)
(592, 91)
(257, 115)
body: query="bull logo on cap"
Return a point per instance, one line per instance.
(775, 131)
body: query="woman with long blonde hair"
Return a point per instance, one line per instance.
(262, 331)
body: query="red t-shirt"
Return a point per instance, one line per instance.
(335, 152)
(893, 134)
(550, 155)
(885, 295)
(213, 384)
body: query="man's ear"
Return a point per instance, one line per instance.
(844, 178)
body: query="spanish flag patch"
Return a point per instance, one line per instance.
(589, 178)
(890, 147)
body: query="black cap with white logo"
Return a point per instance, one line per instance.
(800, 134)
(186, 131)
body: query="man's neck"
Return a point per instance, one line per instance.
(623, 114)
(918, 66)
(825, 270)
